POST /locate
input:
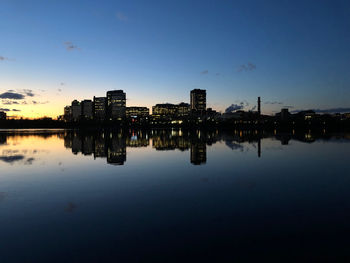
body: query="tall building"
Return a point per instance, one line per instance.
(87, 109)
(76, 110)
(67, 116)
(2, 115)
(198, 100)
(259, 105)
(100, 104)
(116, 104)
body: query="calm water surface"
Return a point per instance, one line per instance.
(173, 196)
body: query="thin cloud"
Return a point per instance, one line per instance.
(11, 159)
(6, 109)
(39, 102)
(3, 58)
(273, 102)
(70, 46)
(246, 67)
(121, 17)
(28, 92)
(331, 110)
(8, 102)
(12, 96)
(19, 95)
(204, 72)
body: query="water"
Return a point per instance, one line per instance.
(173, 196)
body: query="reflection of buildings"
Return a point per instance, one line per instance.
(100, 147)
(198, 153)
(76, 144)
(86, 147)
(116, 152)
(3, 139)
(113, 145)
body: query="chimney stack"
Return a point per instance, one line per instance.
(259, 105)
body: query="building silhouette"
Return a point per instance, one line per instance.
(76, 110)
(87, 109)
(100, 108)
(198, 100)
(67, 113)
(3, 115)
(116, 105)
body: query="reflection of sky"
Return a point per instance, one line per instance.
(75, 200)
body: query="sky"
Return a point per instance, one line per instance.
(293, 54)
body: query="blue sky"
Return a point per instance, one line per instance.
(291, 53)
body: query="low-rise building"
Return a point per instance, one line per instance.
(137, 112)
(67, 116)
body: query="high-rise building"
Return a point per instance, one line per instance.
(100, 104)
(198, 100)
(76, 110)
(259, 105)
(2, 115)
(116, 104)
(87, 109)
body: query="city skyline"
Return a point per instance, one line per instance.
(157, 52)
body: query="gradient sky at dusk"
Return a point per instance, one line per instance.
(291, 53)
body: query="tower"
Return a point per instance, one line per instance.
(116, 104)
(198, 100)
